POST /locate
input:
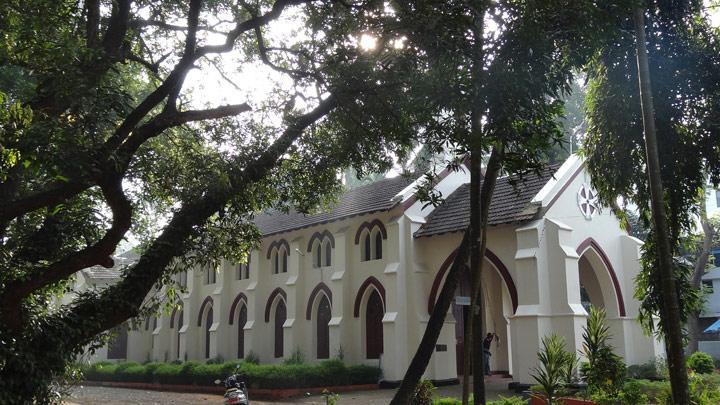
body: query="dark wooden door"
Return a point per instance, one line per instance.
(242, 320)
(373, 326)
(208, 325)
(280, 317)
(323, 328)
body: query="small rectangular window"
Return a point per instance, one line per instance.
(717, 198)
(210, 274)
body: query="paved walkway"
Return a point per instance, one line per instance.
(87, 395)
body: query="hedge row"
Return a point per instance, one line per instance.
(326, 373)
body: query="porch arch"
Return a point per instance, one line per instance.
(598, 260)
(493, 259)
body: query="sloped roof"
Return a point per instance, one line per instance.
(367, 199)
(122, 260)
(511, 203)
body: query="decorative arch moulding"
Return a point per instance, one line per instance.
(591, 243)
(370, 225)
(321, 236)
(369, 282)
(321, 287)
(273, 295)
(277, 244)
(208, 301)
(240, 300)
(496, 262)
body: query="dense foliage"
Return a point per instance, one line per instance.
(604, 370)
(701, 363)
(105, 135)
(325, 374)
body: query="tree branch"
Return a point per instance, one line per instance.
(123, 300)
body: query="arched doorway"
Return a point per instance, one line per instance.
(324, 313)
(374, 312)
(499, 304)
(280, 318)
(242, 320)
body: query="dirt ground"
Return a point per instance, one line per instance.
(87, 395)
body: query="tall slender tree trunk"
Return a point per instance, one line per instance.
(481, 211)
(698, 271)
(419, 363)
(670, 310)
(469, 335)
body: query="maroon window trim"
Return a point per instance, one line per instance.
(320, 236)
(240, 298)
(320, 287)
(591, 243)
(208, 300)
(370, 281)
(497, 263)
(369, 226)
(277, 244)
(271, 299)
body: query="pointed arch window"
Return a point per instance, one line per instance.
(377, 254)
(367, 247)
(210, 274)
(280, 257)
(243, 271)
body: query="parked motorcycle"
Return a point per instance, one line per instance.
(235, 391)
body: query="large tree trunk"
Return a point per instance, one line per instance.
(425, 350)
(700, 266)
(670, 310)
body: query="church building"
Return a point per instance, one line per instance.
(359, 281)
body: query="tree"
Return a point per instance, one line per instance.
(493, 92)
(103, 138)
(681, 48)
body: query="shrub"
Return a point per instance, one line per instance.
(645, 371)
(252, 358)
(297, 357)
(424, 393)
(215, 360)
(604, 371)
(326, 373)
(632, 393)
(509, 401)
(553, 359)
(701, 363)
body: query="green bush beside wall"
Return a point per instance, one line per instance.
(326, 373)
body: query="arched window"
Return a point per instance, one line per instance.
(317, 254)
(117, 347)
(377, 254)
(243, 271)
(280, 318)
(210, 274)
(208, 325)
(242, 320)
(374, 313)
(280, 256)
(324, 314)
(327, 248)
(367, 247)
(182, 279)
(179, 326)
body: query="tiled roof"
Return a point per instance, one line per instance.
(374, 197)
(122, 260)
(511, 203)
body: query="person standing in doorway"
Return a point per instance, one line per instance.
(487, 342)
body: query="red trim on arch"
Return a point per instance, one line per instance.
(208, 300)
(271, 299)
(278, 243)
(370, 226)
(236, 301)
(371, 281)
(493, 258)
(320, 287)
(591, 243)
(321, 235)
(172, 316)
